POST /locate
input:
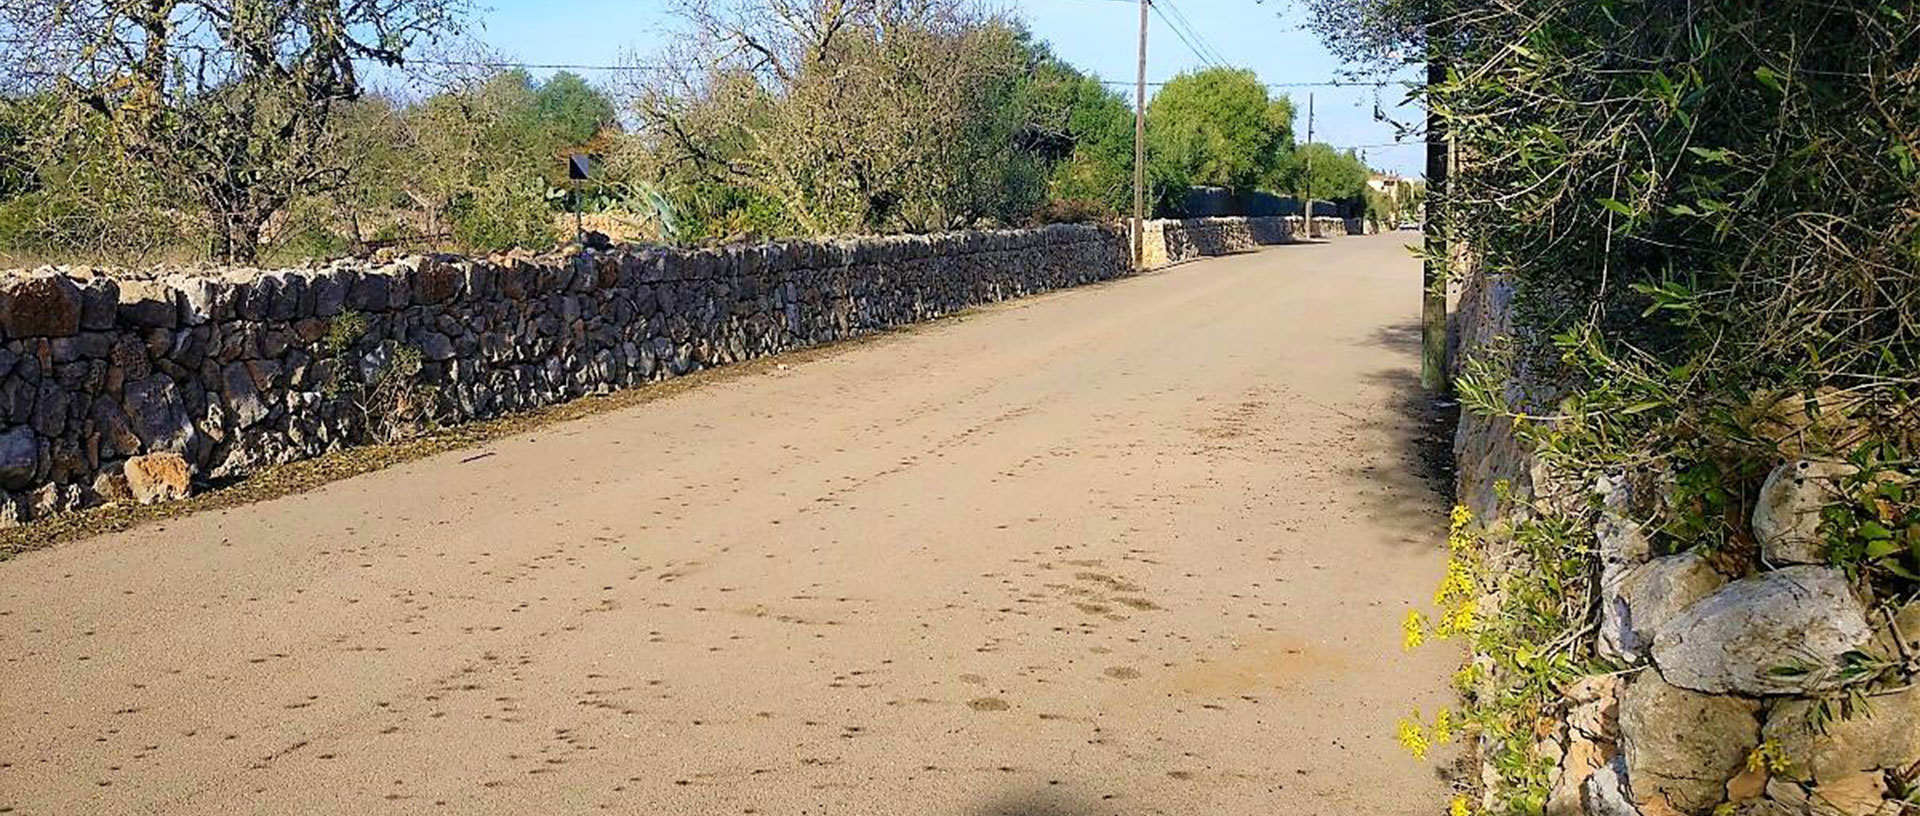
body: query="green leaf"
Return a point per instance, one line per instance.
(1616, 206)
(1717, 155)
(1901, 570)
(1875, 531)
(1768, 77)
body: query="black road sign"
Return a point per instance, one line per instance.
(577, 165)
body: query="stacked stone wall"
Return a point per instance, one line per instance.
(118, 386)
(1737, 682)
(1171, 241)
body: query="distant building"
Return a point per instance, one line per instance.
(1386, 183)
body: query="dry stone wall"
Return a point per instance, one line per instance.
(1171, 241)
(1729, 699)
(124, 387)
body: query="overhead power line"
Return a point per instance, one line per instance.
(1327, 83)
(1181, 34)
(576, 66)
(544, 66)
(1194, 31)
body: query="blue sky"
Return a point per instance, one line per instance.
(1098, 36)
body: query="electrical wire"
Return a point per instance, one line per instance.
(1181, 34)
(1194, 31)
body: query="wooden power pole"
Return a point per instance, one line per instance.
(1140, 144)
(1433, 302)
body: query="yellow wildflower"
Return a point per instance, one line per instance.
(1415, 628)
(1413, 737)
(1444, 726)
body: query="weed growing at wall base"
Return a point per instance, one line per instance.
(1523, 621)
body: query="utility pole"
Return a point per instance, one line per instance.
(1309, 209)
(1433, 301)
(1140, 144)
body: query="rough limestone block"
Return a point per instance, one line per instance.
(1681, 747)
(1605, 792)
(1886, 735)
(159, 477)
(1774, 633)
(19, 457)
(149, 304)
(1583, 757)
(1787, 519)
(1643, 598)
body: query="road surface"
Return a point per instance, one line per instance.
(1137, 548)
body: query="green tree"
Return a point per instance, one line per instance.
(1218, 127)
(478, 164)
(1081, 130)
(65, 193)
(571, 111)
(1328, 172)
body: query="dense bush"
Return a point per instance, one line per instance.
(1711, 212)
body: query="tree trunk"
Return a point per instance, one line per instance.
(236, 240)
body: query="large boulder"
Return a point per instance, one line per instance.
(1778, 632)
(1883, 735)
(1786, 521)
(1681, 747)
(39, 305)
(1639, 600)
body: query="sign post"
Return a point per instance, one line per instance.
(578, 165)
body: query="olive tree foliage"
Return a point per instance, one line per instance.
(835, 116)
(1373, 36)
(1708, 212)
(231, 99)
(1219, 127)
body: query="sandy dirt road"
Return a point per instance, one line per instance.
(1139, 548)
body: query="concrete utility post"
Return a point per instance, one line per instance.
(1140, 145)
(1309, 202)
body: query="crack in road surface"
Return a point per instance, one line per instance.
(1139, 548)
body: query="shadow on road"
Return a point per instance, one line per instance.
(1035, 801)
(1419, 428)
